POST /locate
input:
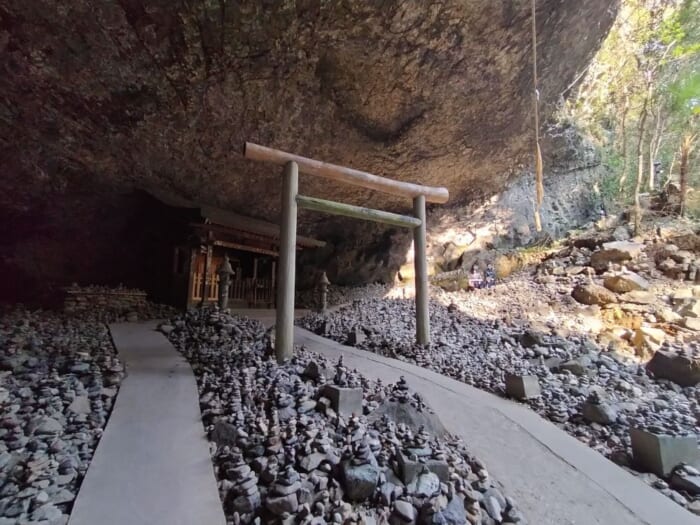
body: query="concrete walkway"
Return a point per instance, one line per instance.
(554, 478)
(152, 466)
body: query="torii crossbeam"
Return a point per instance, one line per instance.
(293, 164)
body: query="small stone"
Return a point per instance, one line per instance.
(48, 425)
(80, 405)
(406, 512)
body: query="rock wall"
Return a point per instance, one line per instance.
(84, 299)
(459, 236)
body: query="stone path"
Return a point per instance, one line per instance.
(152, 465)
(555, 479)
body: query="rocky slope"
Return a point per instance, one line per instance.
(584, 325)
(98, 99)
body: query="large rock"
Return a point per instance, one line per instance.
(615, 252)
(682, 369)
(590, 294)
(648, 338)
(625, 282)
(410, 416)
(359, 481)
(224, 434)
(602, 413)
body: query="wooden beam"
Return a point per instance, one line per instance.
(273, 238)
(357, 212)
(246, 248)
(347, 175)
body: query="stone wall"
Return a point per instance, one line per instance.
(116, 300)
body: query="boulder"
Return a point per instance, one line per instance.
(48, 425)
(667, 315)
(279, 505)
(356, 337)
(578, 366)
(621, 233)
(625, 282)
(602, 413)
(404, 513)
(359, 481)
(224, 434)
(639, 297)
(646, 337)
(690, 309)
(590, 294)
(425, 485)
(167, 329)
(680, 368)
(615, 252)
(410, 416)
(522, 386)
(687, 479)
(692, 323)
(344, 400)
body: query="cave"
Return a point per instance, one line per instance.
(100, 101)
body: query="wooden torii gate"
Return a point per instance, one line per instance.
(293, 164)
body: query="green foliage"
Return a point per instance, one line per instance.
(649, 66)
(685, 94)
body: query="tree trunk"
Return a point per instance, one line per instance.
(654, 146)
(669, 177)
(623, 149)
(686, 147)
(640, 165)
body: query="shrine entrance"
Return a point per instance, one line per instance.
(291, 200)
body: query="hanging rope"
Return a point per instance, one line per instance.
(539, 185)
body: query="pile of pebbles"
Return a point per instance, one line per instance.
(112, 305)
(59, 376)
(283, 455)
(594, 394)
(340, 295)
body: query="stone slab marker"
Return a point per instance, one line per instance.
(344, 400)
(522, 387)
(660, 454)
(284, 326)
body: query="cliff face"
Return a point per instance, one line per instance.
(99, 98)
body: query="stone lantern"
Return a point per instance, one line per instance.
(323, 284)
(225, 272)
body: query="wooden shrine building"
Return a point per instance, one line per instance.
(199, 237)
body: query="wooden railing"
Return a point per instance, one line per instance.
(252, 291)
(198, 287)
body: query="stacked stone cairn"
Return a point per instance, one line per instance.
(59, 376)
(283, 456)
